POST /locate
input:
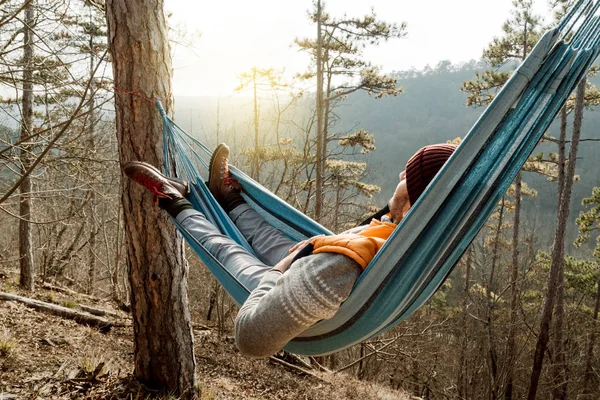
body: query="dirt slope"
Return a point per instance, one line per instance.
(48, 357)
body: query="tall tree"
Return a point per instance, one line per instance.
(25, 227)
(340, 69)
(164, 351)
(320, 110)
(559, 390)
(95, 30)
(521, 33)
(48, 83)
(461, 383)
(588, 223)
(259, 80)
(558, 249)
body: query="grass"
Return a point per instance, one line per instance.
(7, 343)
(8, 287)
(89, 361)
(69, 304)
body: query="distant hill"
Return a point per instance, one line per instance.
(431, 109)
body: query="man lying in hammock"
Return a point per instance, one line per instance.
(294, 285)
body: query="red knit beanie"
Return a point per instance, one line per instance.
(423, 166)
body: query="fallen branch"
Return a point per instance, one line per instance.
(68, 291)
(375, 351)
(201, 327)
(98, 311)
(102, 324)
(294, 367)
(321, 367)
(297, 359)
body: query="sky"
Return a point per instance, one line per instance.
(238, 35)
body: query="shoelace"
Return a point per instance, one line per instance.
(229, 181)
(154, 186)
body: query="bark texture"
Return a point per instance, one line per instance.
(164, 352)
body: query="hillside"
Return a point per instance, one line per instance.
(431, 109)
(48, 357)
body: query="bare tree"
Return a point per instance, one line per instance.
(341, 70)
(25, 205)
(259, 80)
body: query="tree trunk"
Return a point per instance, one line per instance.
(462, 363)
(164, 351)
(25, 228)
(588, 392)
(91, 281)
(559, 387)
(91, 125)
(558, 248)
(116, 272)
(514, 298)
(360, 372)
(218, 130)
(212, 300)
(492, 353)
(324, 142)
(320, 156)
(255, 166)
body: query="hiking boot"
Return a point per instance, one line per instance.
(152, 179)
(220, 182)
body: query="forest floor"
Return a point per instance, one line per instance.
(44, 356)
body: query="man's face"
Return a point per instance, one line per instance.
(399, 203)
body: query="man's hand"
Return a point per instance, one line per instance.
(283, 265)
(298, 246)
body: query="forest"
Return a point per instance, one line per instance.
(100, 297)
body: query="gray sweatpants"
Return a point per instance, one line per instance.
(269, 244)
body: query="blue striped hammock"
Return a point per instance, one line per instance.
(422, 251)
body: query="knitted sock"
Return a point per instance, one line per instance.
(232, 200)
(174, 206)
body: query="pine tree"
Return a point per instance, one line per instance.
(158, 271)
(259, 81)
(521, 33)
(589, 223)
(340, 69)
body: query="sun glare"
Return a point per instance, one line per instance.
(239, 35)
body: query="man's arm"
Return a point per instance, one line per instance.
(284, 305)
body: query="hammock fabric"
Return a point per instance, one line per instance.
(422, 251)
